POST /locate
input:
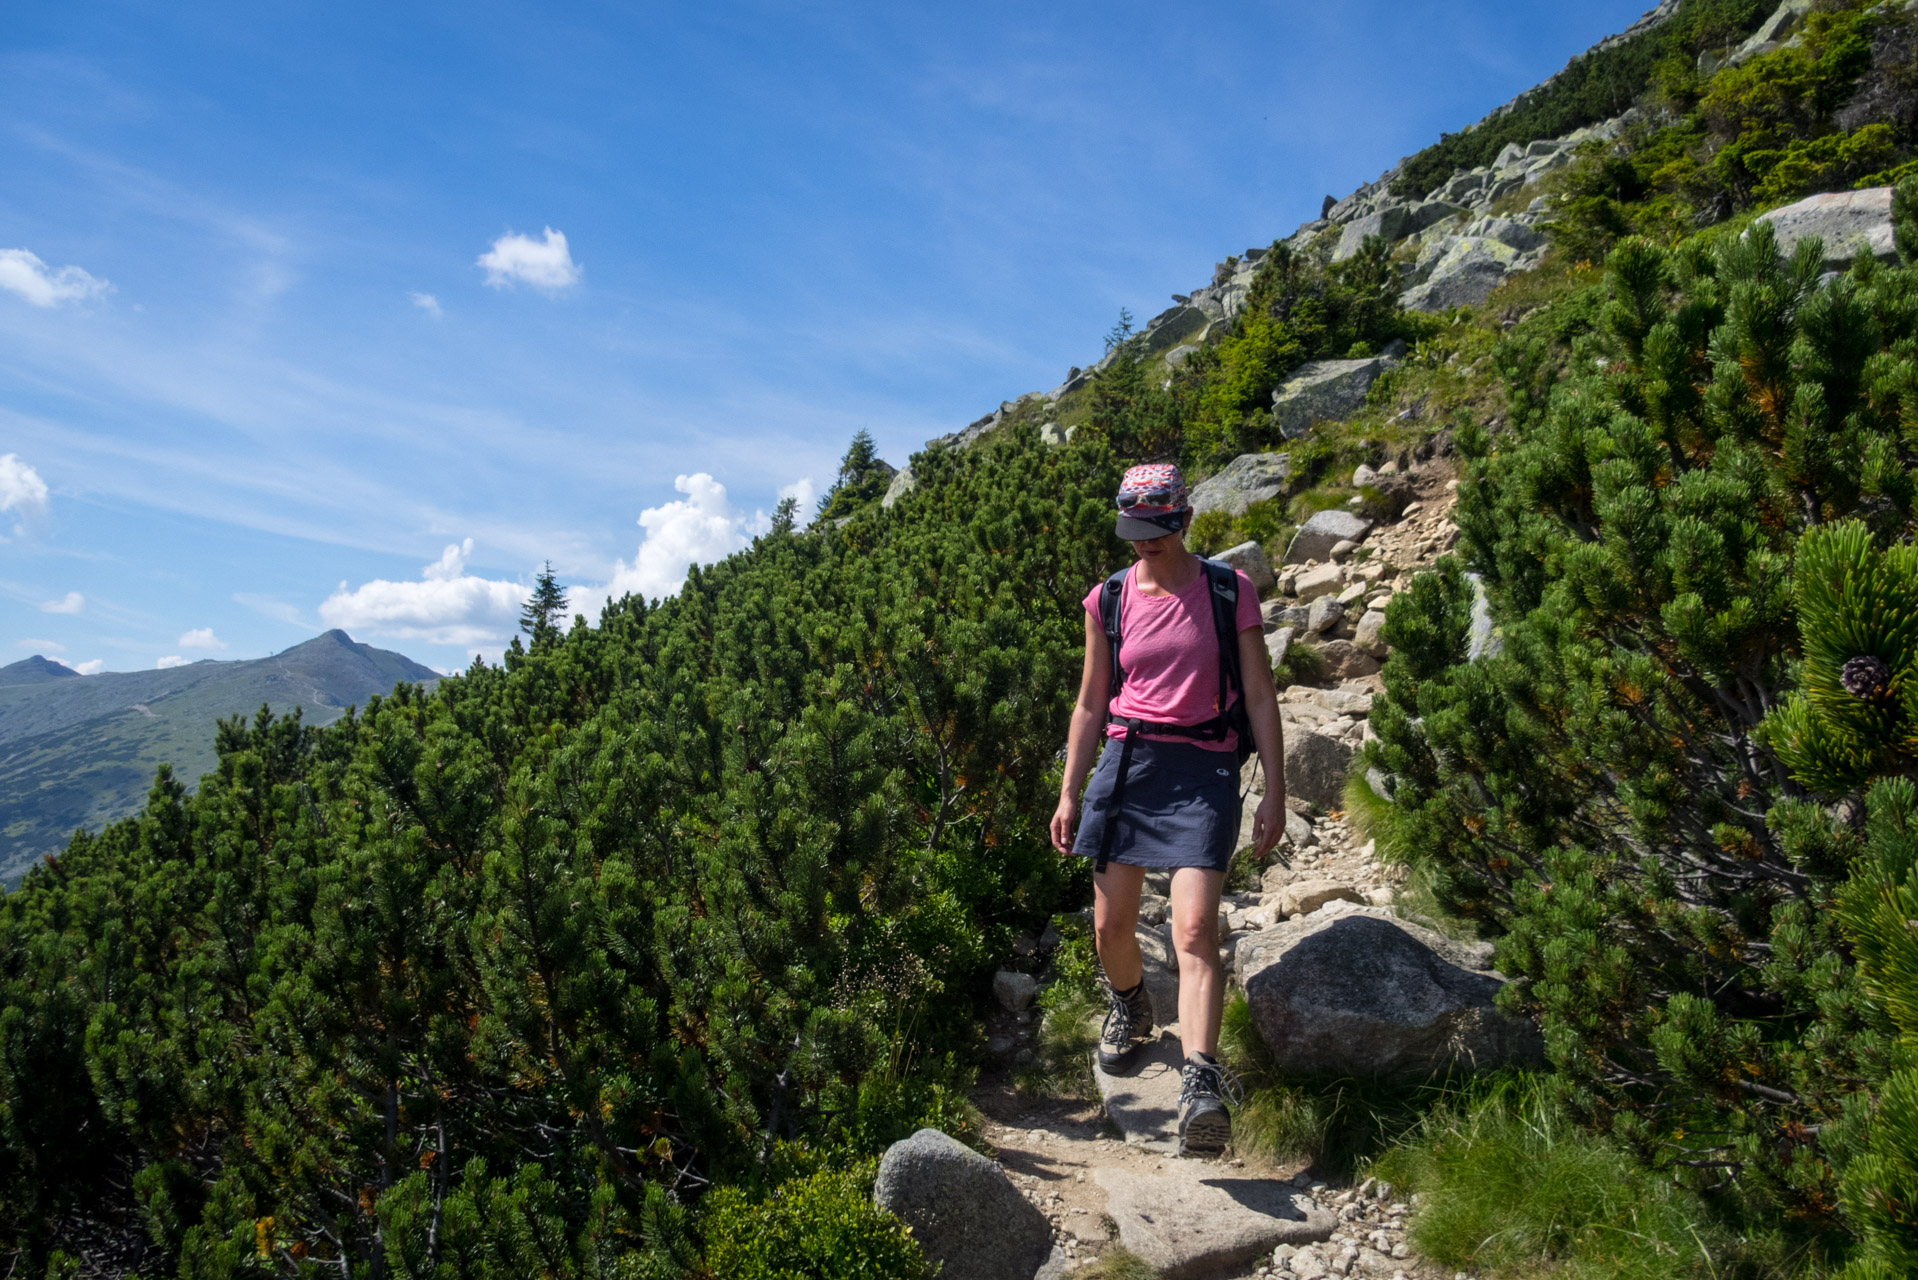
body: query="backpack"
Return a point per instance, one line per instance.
(1232, 718)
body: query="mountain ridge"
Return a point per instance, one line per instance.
(79, 751)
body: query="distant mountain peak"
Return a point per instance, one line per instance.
(35, 670)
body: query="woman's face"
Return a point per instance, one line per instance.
(1155, 549)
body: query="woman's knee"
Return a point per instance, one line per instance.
(1112, 931)
(1197, 937)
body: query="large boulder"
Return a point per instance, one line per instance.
(1391, 224)
(1172, 328)
(1279, 644)
(1353, 991)
(1324, 391)
(1325, 530)
(1345, 661)
(1322, 580)
(1513, 234)
(1465, 274)
(1315, 768)
(1847, 221)
(1249, 558)
(902, 484)
(965, 1213)
(1303, 897)
(1248, 478)
(1367, 637)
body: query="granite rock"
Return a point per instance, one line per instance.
(965, 1213)
(1249, 558)
(1248, 478)
(1325, 530)
(1847, 221)
(1350, 990)
(1324, 391)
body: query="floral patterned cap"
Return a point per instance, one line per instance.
(1152, 502)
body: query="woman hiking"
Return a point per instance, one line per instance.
(1165, 795)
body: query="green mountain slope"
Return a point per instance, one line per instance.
(81, 752)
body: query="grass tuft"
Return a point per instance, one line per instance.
(1062, 1066)
(1334, 1123)
(1118, 1264)
(1509, 1184)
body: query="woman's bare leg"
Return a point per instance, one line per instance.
(1115, 923)
(1195, 936)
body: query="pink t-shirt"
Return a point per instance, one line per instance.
(1170, 654)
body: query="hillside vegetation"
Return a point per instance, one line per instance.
(625, 957)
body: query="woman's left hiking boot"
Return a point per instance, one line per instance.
(1205, 1126)
(1128, 1025)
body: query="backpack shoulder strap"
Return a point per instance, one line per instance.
(1225, 620)
(1109, 600)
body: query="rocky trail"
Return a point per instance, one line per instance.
(1104, 1174)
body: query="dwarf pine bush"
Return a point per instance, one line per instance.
(522, 968)
(1613, 792)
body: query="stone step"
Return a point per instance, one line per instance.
(1143, 1099)
(1199, 1221)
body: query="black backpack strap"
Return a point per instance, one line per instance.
(1225, 620)
(1109, 600)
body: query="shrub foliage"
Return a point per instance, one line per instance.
(489, 981)
(1641, 788)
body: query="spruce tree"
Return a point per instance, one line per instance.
(862, 479)
(544, 611)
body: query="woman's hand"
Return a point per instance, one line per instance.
(1065, 820)
(1268, 823)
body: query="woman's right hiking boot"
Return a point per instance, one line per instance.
(1205, 1126)
(1128, 1025)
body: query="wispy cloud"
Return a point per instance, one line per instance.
(278, 610)
(23, 273)
(40, 646)
(544, 264)
(447, 606)
(71, 602)
(428, 303)
(201, 638)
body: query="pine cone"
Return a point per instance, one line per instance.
(1866, 677)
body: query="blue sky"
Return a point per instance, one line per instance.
(351, 314)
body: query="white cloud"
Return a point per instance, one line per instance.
(21, 488)
(700, 529)
(808, 499)
(170, 661)
(40, 646)
(23, 273)
(71, 602)
(201, 638)
(544, 265)
(91, 667)
(448, 606)
(428, 303)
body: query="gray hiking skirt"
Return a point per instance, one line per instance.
(1181, 807)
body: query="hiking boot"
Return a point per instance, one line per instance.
(1205, 1126)
(1128, 1024)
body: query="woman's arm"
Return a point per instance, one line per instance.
(1268, 732)
(1088, 722)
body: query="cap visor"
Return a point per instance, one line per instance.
(1133, 529)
